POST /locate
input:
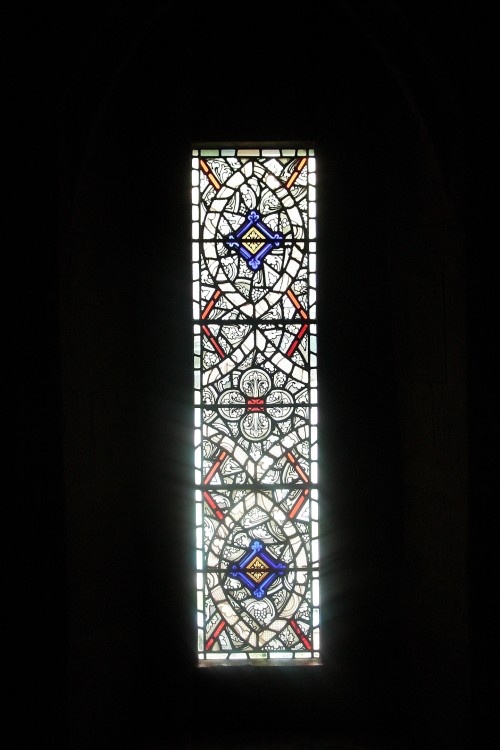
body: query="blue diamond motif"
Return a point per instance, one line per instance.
(258, 569)
(253, 240)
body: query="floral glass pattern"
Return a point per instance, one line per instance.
(255, 403)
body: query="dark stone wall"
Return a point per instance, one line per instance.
(107, 423)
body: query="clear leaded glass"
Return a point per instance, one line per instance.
(255, 396)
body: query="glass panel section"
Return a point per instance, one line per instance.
(255, 404)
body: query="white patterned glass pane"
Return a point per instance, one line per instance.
(255, 404)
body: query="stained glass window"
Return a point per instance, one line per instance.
(255, 404)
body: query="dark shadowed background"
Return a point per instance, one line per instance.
(107, 100)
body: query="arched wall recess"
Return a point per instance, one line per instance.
(127, 356)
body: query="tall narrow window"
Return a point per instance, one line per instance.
(255, 403)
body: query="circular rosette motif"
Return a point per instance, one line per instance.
(255, 404)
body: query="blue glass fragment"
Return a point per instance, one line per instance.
(258, 569)
(253, 240)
